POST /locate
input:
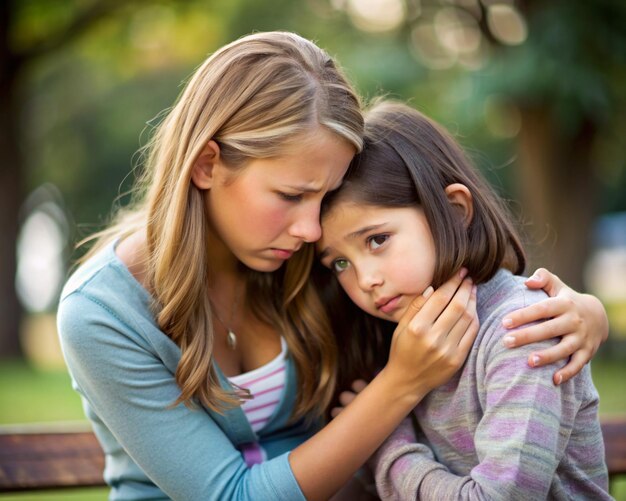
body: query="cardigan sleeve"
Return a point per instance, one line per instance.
(183, 451)
(519, 440)
(401, 462)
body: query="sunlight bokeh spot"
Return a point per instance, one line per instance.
(457, 30)
(376, 15)
(507, 24)
(41, 263)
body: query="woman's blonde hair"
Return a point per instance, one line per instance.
(255, 97)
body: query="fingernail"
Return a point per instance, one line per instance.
(474, 290)
(535, 276)
(559, 379)
(428, 292)
(509, 341)
(507, 322)
(535, 360)
(463, 272)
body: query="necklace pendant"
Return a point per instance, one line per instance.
(231, 340)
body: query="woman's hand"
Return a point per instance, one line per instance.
(579, 319)
(434, 336)
(429, 344)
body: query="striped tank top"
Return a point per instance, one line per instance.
(266, 384)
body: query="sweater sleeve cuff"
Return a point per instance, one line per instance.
(279, 478)
(400, 473)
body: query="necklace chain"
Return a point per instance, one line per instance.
(231, 337)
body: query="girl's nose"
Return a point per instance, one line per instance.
(369, 278)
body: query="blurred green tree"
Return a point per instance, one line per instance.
(54, 25)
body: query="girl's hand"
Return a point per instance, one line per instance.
(346, 397)
(434, 336)
(579, 319)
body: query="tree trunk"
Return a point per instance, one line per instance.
(11, 169)
(557, 190)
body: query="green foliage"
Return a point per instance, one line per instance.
(87, 103)
(572, 62)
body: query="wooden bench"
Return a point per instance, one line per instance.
(33, 458)
(50, 457)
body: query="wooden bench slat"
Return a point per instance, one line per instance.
(49, 460)
(31, 461)
(614, 434)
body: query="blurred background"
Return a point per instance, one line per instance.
(535, 90)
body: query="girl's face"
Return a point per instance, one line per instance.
(263, 213)
(383, 257)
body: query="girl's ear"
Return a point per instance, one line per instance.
(202, 172)
(461, 199)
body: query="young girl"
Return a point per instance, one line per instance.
(197, 299)
(410, 212)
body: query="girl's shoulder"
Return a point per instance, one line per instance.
(501, 295)
(505, 292)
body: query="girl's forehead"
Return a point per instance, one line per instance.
(347, 219)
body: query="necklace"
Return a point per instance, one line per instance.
(231, 337)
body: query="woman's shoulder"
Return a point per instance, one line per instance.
(104, 281)
(101, 301)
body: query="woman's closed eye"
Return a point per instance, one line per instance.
(374, 242)
(290, 197)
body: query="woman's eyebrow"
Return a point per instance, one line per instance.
(303, 189)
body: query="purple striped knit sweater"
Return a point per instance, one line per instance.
(499, 429)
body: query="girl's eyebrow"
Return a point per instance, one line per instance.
(365, 229)
(351, 236)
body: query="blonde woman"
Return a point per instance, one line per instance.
(203, 356)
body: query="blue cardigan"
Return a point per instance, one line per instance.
(123, 366)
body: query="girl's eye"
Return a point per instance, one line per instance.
(376, 241)
(339, 265)
(290, 198)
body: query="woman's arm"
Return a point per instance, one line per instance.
(429, 345)
(127, 384)
(188, 456)
(579, 319)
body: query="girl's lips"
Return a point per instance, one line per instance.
(390, 305)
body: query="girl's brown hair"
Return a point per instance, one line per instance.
(255, 97)
(408, 160)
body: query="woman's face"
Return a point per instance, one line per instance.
(264, 212)
(383, 257)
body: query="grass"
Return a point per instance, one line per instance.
(31, 395)
(92, 494)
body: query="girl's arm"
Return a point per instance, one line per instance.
(578, 319)
(429, 345)
(525, 429)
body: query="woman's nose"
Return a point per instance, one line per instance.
(307, 226)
